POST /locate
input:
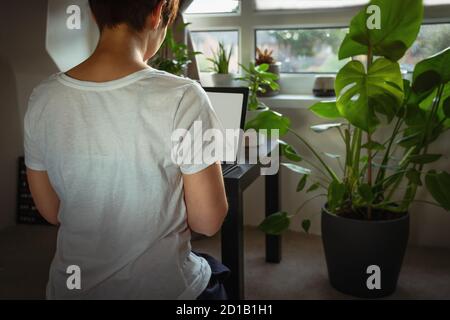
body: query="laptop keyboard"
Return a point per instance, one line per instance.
(227, 167)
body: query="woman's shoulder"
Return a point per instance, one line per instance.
(172, 81)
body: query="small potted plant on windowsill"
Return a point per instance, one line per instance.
(257, 78)
(221, 67)
(365, 216)
(266, 57)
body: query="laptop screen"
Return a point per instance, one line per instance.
(230, 105)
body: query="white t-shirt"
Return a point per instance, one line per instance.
(107, 150)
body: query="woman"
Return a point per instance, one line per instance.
(98, 151)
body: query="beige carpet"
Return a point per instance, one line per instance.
(26, 252)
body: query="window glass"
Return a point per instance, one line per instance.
(207, 42)
(304, 50)
(316, 50)
(433, 38)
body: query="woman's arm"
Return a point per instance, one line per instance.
(44, 196)
(206, 202)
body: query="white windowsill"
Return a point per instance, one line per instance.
(293, 101)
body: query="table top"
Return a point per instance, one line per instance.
(247, 173)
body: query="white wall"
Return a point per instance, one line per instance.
(69, 47)
(23, 64)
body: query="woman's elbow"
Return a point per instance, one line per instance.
(212, 226)
(221, 215)
(51, 216)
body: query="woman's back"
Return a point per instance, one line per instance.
(107, 149)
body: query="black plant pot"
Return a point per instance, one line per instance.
(352, 246)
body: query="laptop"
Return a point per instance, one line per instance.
(230, 105)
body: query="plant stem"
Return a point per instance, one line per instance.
(369, 140)
(319, 158)
(369, 173)
(317, 168)
(382, 173)
(299, 209)
(411, 191)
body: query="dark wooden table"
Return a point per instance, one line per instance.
(236, 182)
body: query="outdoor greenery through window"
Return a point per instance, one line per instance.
(207, 42)
(316, 50)
(304, 50)
(433, 38)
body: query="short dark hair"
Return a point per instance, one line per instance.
(110, 13)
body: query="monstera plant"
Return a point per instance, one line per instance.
(388, 126)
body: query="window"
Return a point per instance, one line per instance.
(432, 39)
(213, 7)
(304, 50)
(207, 42)
(272, 5)
(305, 35)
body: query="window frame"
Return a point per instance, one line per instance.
(216, 14)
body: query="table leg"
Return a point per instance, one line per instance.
(273, 243)
(233, 243)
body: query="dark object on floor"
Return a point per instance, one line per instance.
(364, 258)
(27, 212)
(219, 273)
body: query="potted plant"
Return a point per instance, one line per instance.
(365, 216)
(173, 57)
(221, 65)
(266, 57)
(257, 78)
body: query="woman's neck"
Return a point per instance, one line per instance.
(118, 54)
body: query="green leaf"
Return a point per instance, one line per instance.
(313, 187)
(424, 158)
(289, 152)
(306, 225)
(336, 193)
(410, 140)
(262, 67)
(302, 183)
(350, 48)
(325, 127)
(364, 159)
(332, 156)
(326, 110)
(270, 120)
(439, 185)
(414, 177)
(297, 169)
(432, 72)
(373, 145)
(400, 25)
(276, 224)
(359, 92)
(365, 191)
